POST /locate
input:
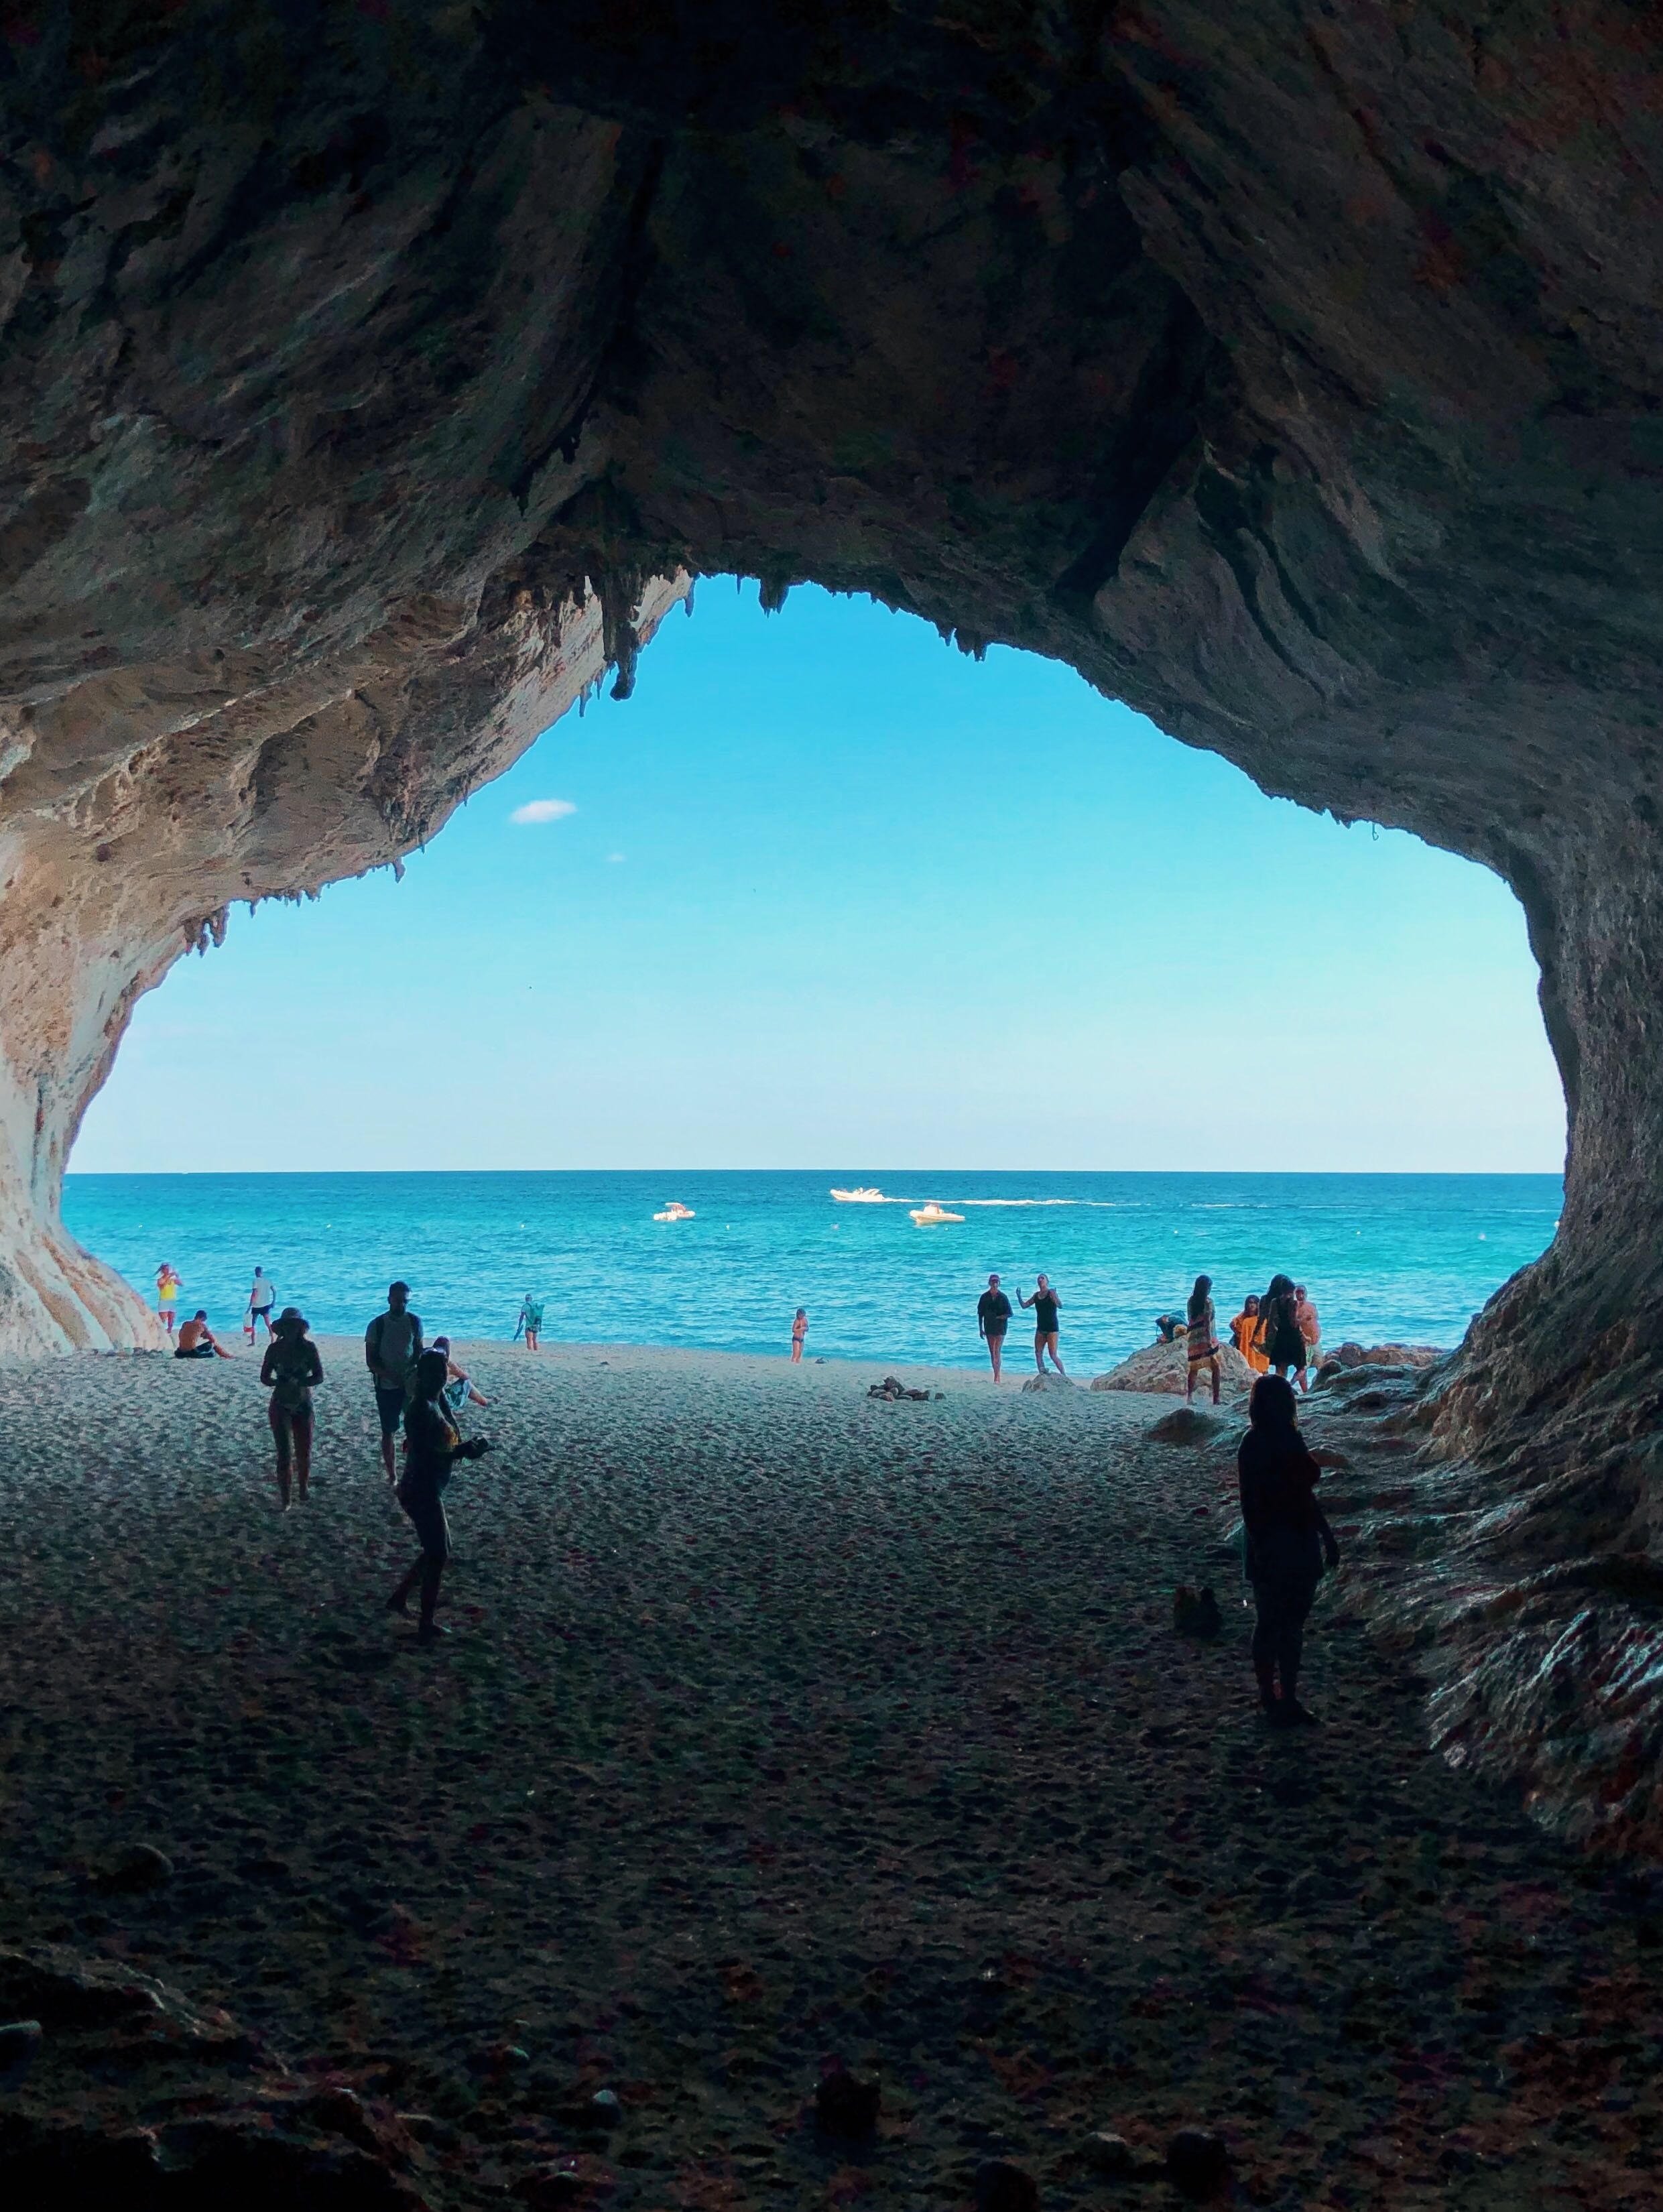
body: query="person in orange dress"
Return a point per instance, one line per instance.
(1245, 1330)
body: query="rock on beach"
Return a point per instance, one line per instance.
(1164, 1370)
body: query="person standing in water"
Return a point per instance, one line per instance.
(1310, 1328)
(1046, 1304)
(393, 1345)
(1289, 1542)
(167, 1288)
(992, 1319)
(800, 1330)
(529, 1325)
(262, 1297)
(1278, 1328)
(1200, 1342)
(432, 1447)
(291, 1371)
(1245, 1330)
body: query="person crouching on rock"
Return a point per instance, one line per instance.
(1288, 1541)
(432, 1446)
(289, 1370)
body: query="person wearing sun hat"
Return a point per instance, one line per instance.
(291, 1371)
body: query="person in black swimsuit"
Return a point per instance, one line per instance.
(992, 1319)
(1046, 1303)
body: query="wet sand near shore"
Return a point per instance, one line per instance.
(776, 1726)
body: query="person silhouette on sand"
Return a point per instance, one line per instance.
(800, 1330)
(432, 1447)
(393, 1345)
(992, 1320)
(167, 1286)
(290, 1371)
(1289, 1542)
(529, 1325)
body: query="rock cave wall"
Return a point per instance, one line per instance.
(1294, 371)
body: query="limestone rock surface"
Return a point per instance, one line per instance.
(1296, 374)
(1164, 1368)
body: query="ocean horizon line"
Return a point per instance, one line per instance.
(1302, 1174)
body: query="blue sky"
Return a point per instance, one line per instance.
(825, 893)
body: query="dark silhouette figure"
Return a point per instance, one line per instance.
(393, 1345)
(1279, 1330)
(291, 1371)
(433, 1444)
(1289, 1542)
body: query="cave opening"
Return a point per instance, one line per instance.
(824, 891)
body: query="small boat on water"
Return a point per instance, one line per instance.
(864, 1195)
(675, 1212)
(933, 1216)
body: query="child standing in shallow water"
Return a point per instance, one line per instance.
(799, 1329)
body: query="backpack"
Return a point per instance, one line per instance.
(398, 1339)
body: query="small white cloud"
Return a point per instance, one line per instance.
(615, 856)
(542, 810)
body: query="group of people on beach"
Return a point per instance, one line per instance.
(1279, 1333)
(995, 1315)
(418, 1387)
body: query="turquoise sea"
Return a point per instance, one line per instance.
(1386, 1257)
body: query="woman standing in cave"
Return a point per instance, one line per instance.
(291, 1371)
(1289, 1542)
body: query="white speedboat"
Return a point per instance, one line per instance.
(933, 1216)
(864, 1195)
(675, 1212)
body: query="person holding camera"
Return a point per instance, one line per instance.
(433, 1444)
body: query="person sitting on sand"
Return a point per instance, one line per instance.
(393, 1345)
(1287, 1541)
(1278, 1328)
(1310, 1328)
(432, 1447)
(1201, 1343)
(291, 1371)
(992, 1319)
(458, 1387)
(197, 1341)
(800, 1330)
(1245, 1330)
(529, 1324)
(167, 1285)
(1046, 1303)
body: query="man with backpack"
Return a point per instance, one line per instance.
(393, 1345)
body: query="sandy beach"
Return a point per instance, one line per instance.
(776, 1727)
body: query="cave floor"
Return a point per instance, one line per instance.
(775, 1726)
